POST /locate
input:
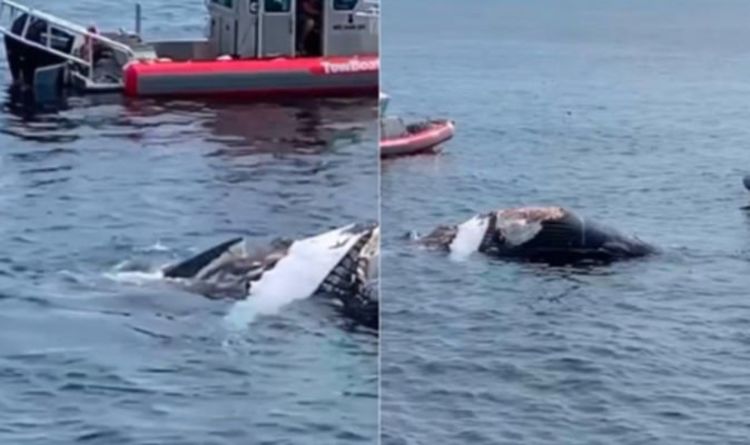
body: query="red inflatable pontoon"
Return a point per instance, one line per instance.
(306, 76)
(417, 138)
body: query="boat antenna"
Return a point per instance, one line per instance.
(138, 19)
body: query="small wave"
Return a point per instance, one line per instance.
(158, 247)
(137, 277)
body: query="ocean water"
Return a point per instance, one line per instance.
(631, 113)
(96, 193)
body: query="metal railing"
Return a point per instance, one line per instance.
(13, 10)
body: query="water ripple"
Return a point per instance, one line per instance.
(634, 116)
(93, 185)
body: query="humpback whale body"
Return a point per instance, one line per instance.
(546, 234)
(340, 264)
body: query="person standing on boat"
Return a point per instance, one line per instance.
(90, 47)
(309, 18)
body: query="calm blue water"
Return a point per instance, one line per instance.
(634, 113)
(104, 185)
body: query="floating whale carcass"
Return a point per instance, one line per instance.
(548, 234)
(340, 265)
(255, 48)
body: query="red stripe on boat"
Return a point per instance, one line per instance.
(131, 80)
(315, 65)
(312, 66)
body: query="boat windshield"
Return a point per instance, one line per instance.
(345, 5)
(392, 127)
(225, 3)
(278, 5)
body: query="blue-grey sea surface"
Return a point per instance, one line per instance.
(633, 113)
(93, 189)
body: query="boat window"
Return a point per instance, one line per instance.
(225, 3)
(278, 5)
(344, 5)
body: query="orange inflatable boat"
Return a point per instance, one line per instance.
(399, 139)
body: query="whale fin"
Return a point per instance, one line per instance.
(192, 267)
(470, 236)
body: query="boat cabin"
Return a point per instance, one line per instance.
(292, 28)
(39, 44)
(259, 29)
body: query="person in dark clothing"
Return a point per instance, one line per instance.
(309, 22)
(14, 48)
